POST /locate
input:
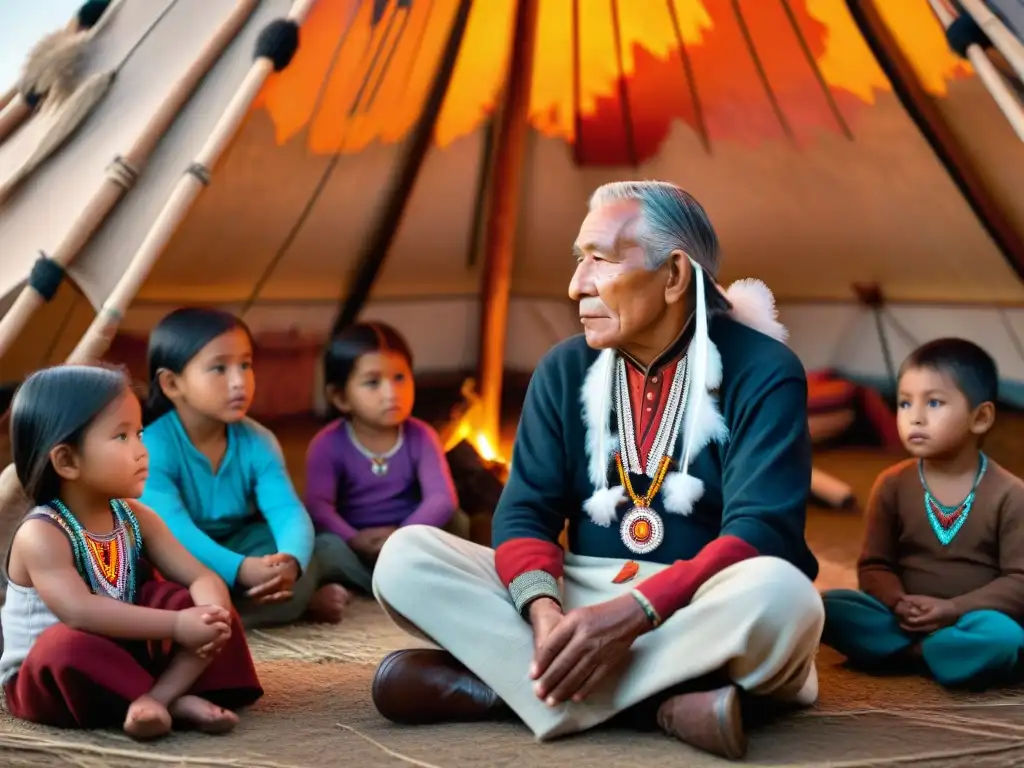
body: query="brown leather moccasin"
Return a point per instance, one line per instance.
(708, 720)
(419, 686)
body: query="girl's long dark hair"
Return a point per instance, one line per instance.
(345, 349)
(175, 341)
(56, 406)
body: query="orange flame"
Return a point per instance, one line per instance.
(470, 427)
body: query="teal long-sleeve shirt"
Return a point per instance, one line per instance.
(202, 508)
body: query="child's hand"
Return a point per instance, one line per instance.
(380, 536)
(928, 614)
(200, 626)
(282, 572)
(215, 614)
(286, 568)
(905, 609)
(255, 571)
(369, 541)
(362, 543)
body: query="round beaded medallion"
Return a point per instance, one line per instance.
(642, 530)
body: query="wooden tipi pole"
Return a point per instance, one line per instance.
(7, 97)
(503, 215)
(14, 111)
(948, 148)
(274, 51)
(986, 70)
(1002, 38)
(120, 178)
(273, 41)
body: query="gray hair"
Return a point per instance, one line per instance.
(672, 221)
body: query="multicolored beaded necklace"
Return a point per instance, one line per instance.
(107, 562)
(946, 521)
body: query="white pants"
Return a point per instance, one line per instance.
(759, 621)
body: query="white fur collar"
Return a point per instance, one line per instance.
(753, 305)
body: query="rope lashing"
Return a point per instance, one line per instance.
(122, 173)
(200, 172)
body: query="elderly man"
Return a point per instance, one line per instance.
(672, 438)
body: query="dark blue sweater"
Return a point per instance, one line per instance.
(756, 484)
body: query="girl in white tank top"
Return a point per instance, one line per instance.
(81, 601)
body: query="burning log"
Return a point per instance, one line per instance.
(479, 484)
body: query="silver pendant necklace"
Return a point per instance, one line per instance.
(378, 461)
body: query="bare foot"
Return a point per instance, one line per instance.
(147, 718)
(203, 715)
(328, 603)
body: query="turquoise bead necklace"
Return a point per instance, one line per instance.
(946, 521)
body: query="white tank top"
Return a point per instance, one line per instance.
(24, 618)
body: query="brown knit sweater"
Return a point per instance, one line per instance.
(983, 567)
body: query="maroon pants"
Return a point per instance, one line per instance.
(77, 679)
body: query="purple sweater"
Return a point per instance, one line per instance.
(343, 495)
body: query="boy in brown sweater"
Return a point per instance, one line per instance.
(941, 572)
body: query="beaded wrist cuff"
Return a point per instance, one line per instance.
(527, 587)
(649, 612)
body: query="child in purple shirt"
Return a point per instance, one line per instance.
(375, 469)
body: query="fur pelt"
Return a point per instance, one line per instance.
(53, 68)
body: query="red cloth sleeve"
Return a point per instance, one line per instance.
(518, 556)
(674, 587)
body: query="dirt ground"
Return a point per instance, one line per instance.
(317, 713)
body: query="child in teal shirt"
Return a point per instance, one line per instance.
(218, 478)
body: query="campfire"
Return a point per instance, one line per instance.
(466, 423)
(477, 466)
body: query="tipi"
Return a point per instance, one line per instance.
(412, 151)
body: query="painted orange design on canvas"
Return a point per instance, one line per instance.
(610, 77)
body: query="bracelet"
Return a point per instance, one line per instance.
(648, 609)
(529, 586)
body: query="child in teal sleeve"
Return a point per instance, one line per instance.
(218, 478)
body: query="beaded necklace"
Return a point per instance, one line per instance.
(668, 429)
(107, 562)
(946, 521)
(642, 530)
